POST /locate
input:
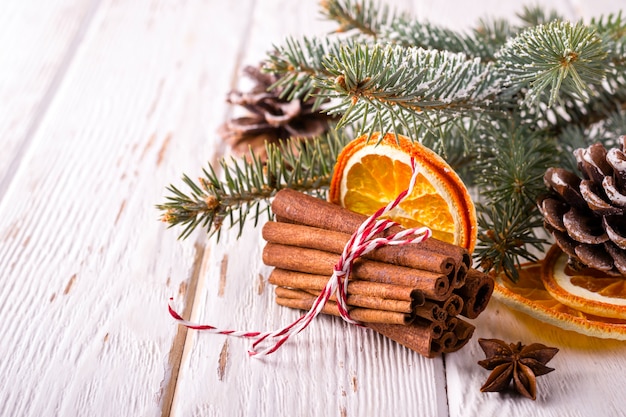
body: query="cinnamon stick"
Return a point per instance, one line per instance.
(294, 279)
(322, 263)
(334, 241)
(476, 293)
(464, 332)
(304, 301)
(435, 328)
(303, 209)
(458, 279)
(451, 323)
(447, 341)
(356, 300)
(415, 336)
(463, 329)
(453, 305)
(431, 311)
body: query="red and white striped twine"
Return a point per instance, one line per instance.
(361, 242)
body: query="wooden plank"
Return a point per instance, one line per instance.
(329, 369)
(86, 268)
(39, 41)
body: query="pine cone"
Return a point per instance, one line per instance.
(586, 215)
(270, 117)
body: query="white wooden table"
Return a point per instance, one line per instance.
(102, 104)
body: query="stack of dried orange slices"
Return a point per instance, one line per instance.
(584, 301)
(371, 171)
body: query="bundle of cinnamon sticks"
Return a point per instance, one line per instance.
(412, 293)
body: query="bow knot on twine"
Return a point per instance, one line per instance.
(360, 243)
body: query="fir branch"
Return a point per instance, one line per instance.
(389, 88)
(536, 15)
(605, 98)
(558, 58)
(407, 32)
(248, 184)
(509, 176)
(367, 17)
(483, 42)
(612, 29)
(506, 235)
(511, 164)
(490, 36)
(298, 63)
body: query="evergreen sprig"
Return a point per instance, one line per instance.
(559, 58)
(536, 15)
(389, 88)
(407, 32)
(368, 18)
(506, 235)
(298, 63)
(509, 177)
(249, 183)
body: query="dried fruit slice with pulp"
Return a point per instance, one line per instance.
(529, 296)
(587, 290)
(372, 171)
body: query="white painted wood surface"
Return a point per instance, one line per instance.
(102, 104)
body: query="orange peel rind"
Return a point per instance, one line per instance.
(371, 171)
(585, 290)
(530, 296)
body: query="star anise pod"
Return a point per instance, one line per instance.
(514, 361)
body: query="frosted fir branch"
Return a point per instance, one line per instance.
(366, 17)
(394, 88)
(483, 42)
(299, 62)
(559, 58)
(411, 33)
(605, 99)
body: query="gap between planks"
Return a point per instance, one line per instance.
(202, 249)
(202, 253)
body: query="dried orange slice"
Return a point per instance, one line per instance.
(587, 290)
(372, 171)
(529, 296)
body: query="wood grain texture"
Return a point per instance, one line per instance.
(86, 268)
(38, 41)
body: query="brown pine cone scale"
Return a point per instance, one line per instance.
(586, 216)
